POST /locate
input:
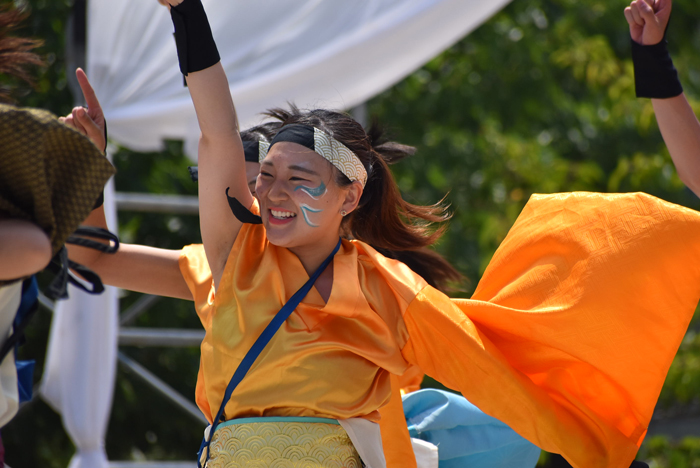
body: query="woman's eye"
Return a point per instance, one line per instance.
(298, 179)
(265, 174)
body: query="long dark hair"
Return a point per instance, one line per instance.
(15, 52)
(383, 219)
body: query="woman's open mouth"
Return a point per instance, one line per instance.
(281, 216)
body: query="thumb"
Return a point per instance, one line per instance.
(94, 132)
(663, 13)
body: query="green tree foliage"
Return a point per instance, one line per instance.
(540, 99)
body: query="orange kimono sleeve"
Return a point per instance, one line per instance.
(410, 381)
(196, 273)
(572, 329)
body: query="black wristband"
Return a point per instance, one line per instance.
(654, 73)
(196, 49)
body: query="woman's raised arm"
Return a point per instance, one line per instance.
(221, 155)
(656, 78)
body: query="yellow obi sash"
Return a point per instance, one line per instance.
(282, 442)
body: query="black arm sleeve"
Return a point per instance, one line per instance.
(654, 73)
(196, 49)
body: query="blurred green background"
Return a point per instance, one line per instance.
(539, 99)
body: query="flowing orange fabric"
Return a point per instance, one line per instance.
(574, 324)
(396, 440)
(410, 381)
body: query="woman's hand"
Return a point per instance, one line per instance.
(648, 20)
(89, 121)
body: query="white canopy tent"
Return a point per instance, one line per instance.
(315, 53)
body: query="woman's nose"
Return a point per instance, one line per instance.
(278, 191)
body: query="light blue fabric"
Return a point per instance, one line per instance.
(465, 436)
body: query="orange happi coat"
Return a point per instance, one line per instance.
(567, 338)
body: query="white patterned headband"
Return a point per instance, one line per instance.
(331, 149)
(255, 151)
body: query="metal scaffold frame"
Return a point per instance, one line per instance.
(160, 337)
(138, 336)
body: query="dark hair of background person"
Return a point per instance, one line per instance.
(263, 132)
(16, 53)
(383, 219)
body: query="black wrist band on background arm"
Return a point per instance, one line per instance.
(196, 49)
(654, 73)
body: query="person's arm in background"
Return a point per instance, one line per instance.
(656, 78)
(134, 267)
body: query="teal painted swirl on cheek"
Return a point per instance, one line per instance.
(313, 192)
(306, 209)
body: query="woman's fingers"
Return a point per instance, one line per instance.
(629, 18)
(646, 11)
(636, 15)
(70, 122)
(76, 120)
(89, 93)
(92, 130)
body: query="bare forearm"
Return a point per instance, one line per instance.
(83, 255)
(681, 132)
(143, 269)
(133, 267)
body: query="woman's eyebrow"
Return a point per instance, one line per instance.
(294, 167)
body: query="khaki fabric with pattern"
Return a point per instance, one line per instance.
(281, 444)
(50, 174)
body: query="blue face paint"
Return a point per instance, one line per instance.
(306, 209)
(314, 193)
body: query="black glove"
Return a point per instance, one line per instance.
(654, 73)
(196, 49)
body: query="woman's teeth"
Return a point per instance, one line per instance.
(282, 214)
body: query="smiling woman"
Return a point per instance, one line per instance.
(306, 321)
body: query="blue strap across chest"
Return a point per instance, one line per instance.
(260, 344)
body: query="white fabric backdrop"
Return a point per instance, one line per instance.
(80, 367)
(316, 53)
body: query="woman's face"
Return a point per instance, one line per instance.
(300, 201)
